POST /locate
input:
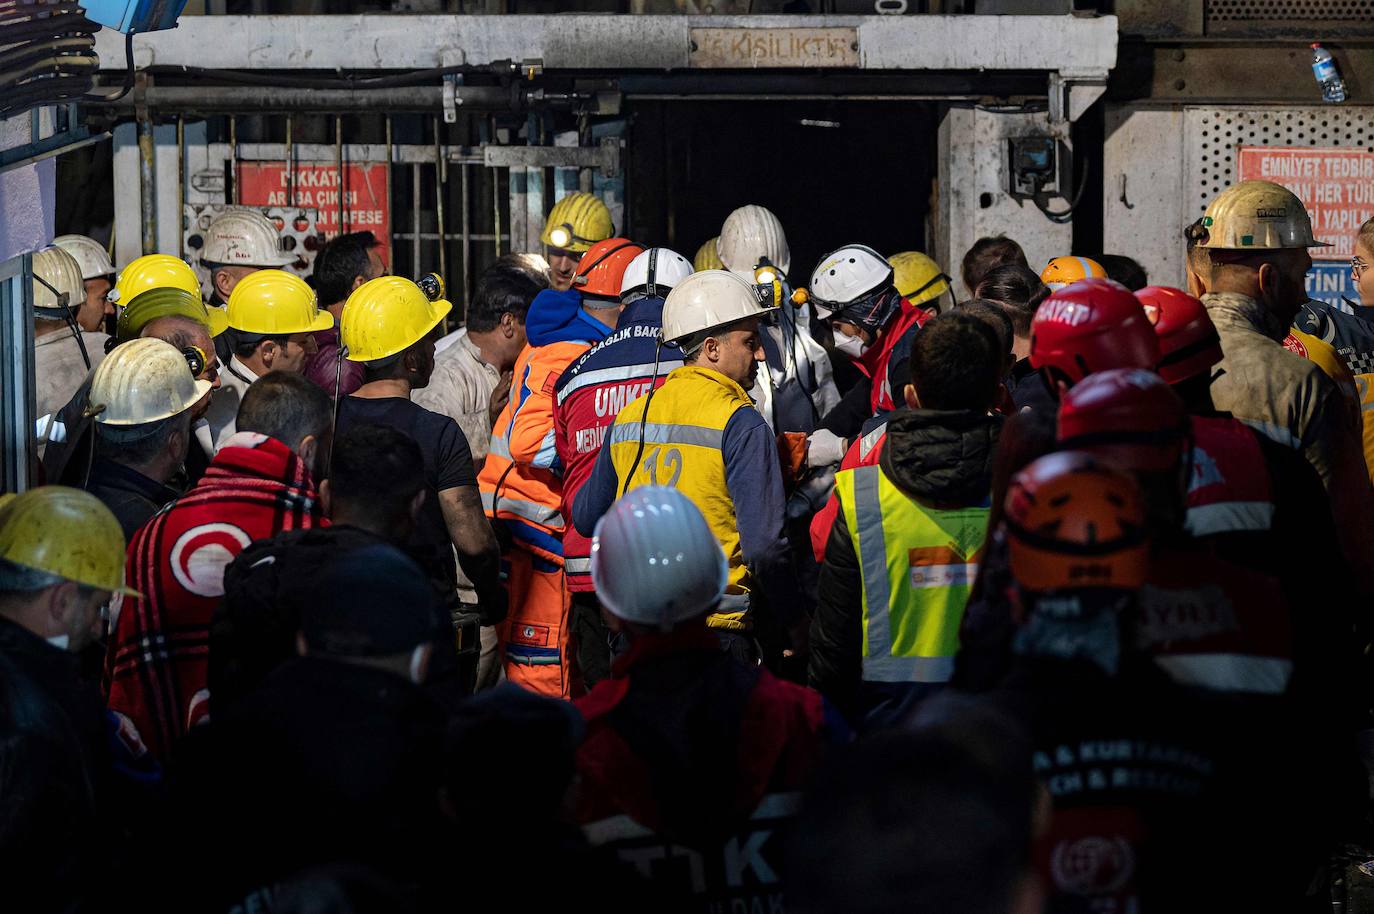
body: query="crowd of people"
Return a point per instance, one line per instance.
(698, 585)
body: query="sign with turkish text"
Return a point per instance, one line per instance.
(759, 48)
(1336, 184)
(1330, 282)
(318, 185)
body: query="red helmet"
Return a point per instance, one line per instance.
(1092, 325)
(1075, 522)
(1188, 342)
(603, 266)
(1126, 415)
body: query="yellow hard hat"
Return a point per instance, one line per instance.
(143, 381)
(153, 271)
(65, 532)
(275, 302)
(706, 257)
(1063, 271)
(917, 278)
(167, 302)
(385, 316)
(1258, 216)
(577, 222)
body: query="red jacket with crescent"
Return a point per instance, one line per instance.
(156, 662)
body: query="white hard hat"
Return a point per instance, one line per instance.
(711, 298)
(848, 275)
(654, 272)
(750, 235)
(655, 560)
(88, 252)
(244, 237)
(143, 380)
(57, 282)
(1258, 216)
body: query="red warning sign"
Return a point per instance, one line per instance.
(366, 203)
(1335, 184)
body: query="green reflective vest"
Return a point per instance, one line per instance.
(917, 564)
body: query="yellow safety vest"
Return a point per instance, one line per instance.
(917, 565)
(682, 449)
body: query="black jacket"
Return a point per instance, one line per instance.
(1028, 390)
(54, 771)
(132, 497)
(937, 458)
(325, 762)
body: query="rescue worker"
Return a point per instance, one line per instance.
(1063, 271)
(575, 223)
(920, 281)
(238, 242)
(521, 488)
(587, 397)
(473, 365)
(852, 290)
(273, 319)
(700, 433)
(389, 325)
(261, 482)
(63, 353)
(61, 563)
(1257, 236)
(1090, 325)
(142, 398)
(1178, 805)
(676, 706)
(98, 273)
(341, 266)
(174, 316)
(798, 388)
(1347, 329)
(905, 544)
(985, 253)
(706, 257)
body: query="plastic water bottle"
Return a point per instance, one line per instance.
(1328, 77)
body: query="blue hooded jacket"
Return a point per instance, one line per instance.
(557, 317)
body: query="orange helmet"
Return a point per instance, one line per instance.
(1074, 522)
(1063, 271)
(601, 269)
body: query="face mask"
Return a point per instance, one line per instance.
(60, 642)
(851, 346)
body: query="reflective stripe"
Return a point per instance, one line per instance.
(539, 514)
(547, 453)
(662, 433)
(622, 373)
(908, 669)
(870, 441)
(499, 446)
(1229, 672)
(577, 566)
(1229, 517)
(868, 522)
(1275, 433)
(51, 428)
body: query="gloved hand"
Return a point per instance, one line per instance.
(824, 448)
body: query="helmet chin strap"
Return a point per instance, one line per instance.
(64, 304)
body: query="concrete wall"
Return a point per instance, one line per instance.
(27, 193)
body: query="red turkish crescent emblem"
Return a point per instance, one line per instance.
(1293, 344)
(200, 555)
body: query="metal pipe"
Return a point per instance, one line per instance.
(467, 239)
(389, 259)
(496, 208)
(415, 218)
(253, 99)
(290, 164)
(440, 185)
(181, 186)
(147, 181)
(234, 154)
(338, 170)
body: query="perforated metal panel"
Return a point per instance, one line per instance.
(1212, 136)
(1289, 10)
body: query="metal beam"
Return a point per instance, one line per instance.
(605, 156)
(1266, 73)
(605, 44)
(257, 99)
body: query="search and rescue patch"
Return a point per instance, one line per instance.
(530, 634)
